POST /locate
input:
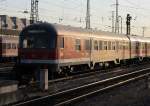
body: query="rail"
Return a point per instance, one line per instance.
(76, 94)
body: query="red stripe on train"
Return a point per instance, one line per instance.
(37, 54)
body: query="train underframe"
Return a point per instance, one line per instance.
(25, 73)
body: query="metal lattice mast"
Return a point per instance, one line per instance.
(117, 20)
(113, 21)
(88, 15)
(34, 16)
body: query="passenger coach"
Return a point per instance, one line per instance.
(8, 48)
(64, 49)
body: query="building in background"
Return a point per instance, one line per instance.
(6, 22)
(25, 22)
(12, 23)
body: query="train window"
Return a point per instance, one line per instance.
(25, 43)
(100, 45)
(78, 44)
(4, 45)
(87, 45)
(61, 42)
(113, 46)
(28, 43)
(105, 45)
(109, 45)
(8, 46)
(95, 45)
(14, 46)
(41, 43)
(38, 41)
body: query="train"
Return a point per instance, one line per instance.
(67, 49)
(8, 48)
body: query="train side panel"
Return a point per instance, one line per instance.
(72, 51)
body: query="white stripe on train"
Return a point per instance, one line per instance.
(54, 61)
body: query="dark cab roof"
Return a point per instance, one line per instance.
(48, 28)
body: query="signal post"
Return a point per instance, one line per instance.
(44, 79)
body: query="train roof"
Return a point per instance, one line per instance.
(58, 29)
(39, 27)
(101, 33)
(139, 38)
(70, 30)
(81, 30)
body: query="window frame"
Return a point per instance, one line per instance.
(61, 42)
(96, 48)
(100, 45)
(105, 45)
(78, 44)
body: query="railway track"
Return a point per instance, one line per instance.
(61, 84)
(5, 71)
(71, 96)
(9, 64)
(6, 67)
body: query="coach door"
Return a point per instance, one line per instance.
(146, 49)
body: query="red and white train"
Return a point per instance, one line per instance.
(8, 48)
(65, 49)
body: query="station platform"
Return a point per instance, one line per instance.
(7, 86)
(8, 91)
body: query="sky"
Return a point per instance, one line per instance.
(73, 12)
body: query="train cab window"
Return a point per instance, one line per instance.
(38, 41)
(105, 45)
(77, 44)
(25, 43)
(95, 45)
(28, 43)
(87, 45)
(61, 42)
